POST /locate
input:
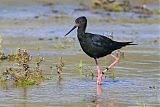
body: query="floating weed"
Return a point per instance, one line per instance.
(59, 67)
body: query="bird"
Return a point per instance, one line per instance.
(95, 45)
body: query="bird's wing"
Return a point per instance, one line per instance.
(101, 41)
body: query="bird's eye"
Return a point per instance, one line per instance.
(79, 21)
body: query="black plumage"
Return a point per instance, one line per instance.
(95, 45)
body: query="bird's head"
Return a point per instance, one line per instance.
(80, 21)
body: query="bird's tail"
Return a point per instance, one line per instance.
(119, 45)
(127, 43)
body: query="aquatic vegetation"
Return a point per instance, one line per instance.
(80, 67)
(117, 8)
(88, 73)
(112, 6)
(112, 72)
(59, 67)
(120, 54)
(156, 11)
(3, 56)
(143, 105)
(137, 76)
(51, 72)
(123, 6)
(23, 74)
(21, 57)
(91, 72)
(59, 46)
(30, 77)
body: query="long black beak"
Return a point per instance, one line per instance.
(71, 30)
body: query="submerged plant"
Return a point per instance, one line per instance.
(59, 67)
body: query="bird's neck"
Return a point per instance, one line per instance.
(81, 30)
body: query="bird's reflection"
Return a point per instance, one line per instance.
(99, 91)
(99, 100)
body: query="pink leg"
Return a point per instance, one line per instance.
(99, 73)
(116, 61)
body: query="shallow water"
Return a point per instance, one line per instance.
(137, 79)
(41, 20)
(137, 75)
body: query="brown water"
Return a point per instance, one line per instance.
(137, 75)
